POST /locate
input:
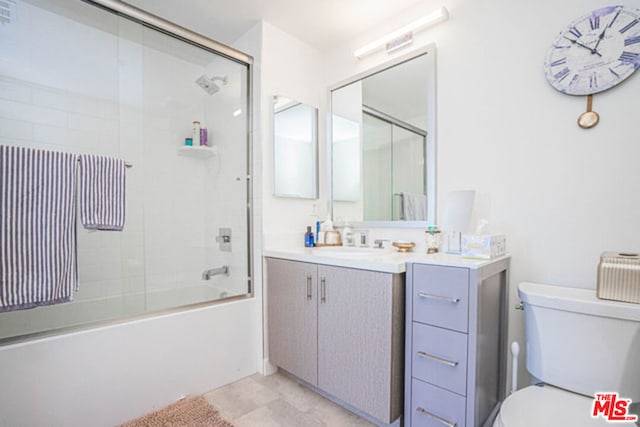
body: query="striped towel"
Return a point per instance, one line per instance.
(38, 258)
(102, 185)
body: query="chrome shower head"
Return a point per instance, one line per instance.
(208, 83)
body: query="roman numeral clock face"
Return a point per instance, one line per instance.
(595, 52)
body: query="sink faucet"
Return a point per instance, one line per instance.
(379, 243)
(208, 274)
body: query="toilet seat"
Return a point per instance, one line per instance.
(548, 406)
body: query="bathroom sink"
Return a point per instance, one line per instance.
(348, 251)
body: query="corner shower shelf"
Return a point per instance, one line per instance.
(197, 152)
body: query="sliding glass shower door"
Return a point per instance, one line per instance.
(78, 79)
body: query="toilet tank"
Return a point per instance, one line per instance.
(580, 343)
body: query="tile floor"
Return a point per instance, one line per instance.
(278, 401)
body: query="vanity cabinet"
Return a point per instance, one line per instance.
(340, 330)
(455, 343)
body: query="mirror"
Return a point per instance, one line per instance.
(295, 149)
(383, 144)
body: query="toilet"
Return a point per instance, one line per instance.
(576, 345)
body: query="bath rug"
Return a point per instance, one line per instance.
(190, 412)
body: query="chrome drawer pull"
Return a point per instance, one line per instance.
(447, 362)
(438, 297)
(423, 411)
(308, 288)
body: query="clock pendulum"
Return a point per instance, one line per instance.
(589, 118)
(594, 53)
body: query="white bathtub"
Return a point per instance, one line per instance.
(82, 312)
(109, 374)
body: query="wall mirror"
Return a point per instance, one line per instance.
(295, 149)
(383, 144)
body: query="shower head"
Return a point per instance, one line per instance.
(208, 83)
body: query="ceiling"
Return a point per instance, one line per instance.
(319, 23)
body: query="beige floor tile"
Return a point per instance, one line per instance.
(298, 395)
(241, 397)
(278, 413)
(279, 401)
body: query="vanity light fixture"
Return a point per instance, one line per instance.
(403, 36)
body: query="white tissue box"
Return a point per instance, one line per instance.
(483, 246)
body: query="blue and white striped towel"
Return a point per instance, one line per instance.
(38, 257)
(102, 188)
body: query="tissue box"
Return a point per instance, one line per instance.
(619, 277)
(483, 246)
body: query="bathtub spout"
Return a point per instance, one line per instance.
(207, 274)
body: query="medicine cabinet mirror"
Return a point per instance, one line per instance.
(295, 149)
(383, 144)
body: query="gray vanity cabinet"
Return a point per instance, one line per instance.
(455, 343)
(358, 327)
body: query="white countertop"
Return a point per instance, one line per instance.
(385, 261)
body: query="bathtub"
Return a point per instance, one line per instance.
(108, 374)
(52, 318)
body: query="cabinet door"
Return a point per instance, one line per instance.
(292, 317)
(356, 321)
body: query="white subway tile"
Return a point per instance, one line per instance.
(94, 124)
(31, 113)
(58, 100)
(14, 91)
(16, 129)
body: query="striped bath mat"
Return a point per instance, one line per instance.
(38, 264)
(102, 192)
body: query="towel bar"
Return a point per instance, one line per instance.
(126, 164)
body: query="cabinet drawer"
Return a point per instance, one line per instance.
(441, 296)
(440, 357)
(434, 407)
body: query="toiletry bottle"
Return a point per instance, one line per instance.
(196, 133)
(188, 142)
(308, 237)
(347, 236)
(319, 234)
(204, 137)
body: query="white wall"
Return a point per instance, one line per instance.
(562, 194)
(293, 69)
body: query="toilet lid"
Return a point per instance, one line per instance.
(548, 406)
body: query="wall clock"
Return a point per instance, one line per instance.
(594, 53)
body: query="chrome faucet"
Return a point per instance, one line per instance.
(208, 274)
(379, 243)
